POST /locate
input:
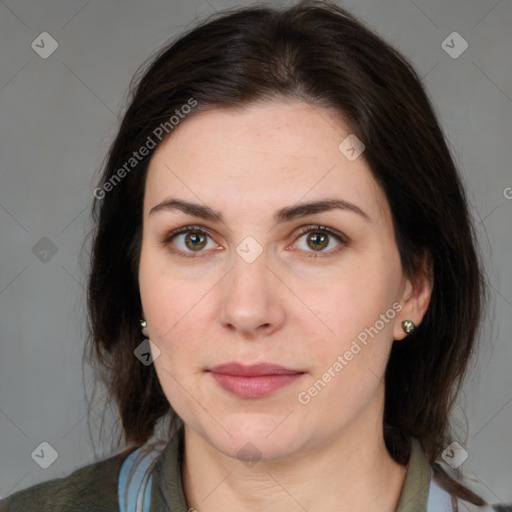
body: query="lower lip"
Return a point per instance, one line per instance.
(254, 387)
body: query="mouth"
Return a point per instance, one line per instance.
(253, 381)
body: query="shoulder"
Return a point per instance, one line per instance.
(437, 487)
(90, 488)
(450, 492)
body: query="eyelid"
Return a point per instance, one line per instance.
(168, 237)
(343, 239)
(318, 227)
(184, 229)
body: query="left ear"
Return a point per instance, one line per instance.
(415, 298)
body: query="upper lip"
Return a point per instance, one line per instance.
(252, 370)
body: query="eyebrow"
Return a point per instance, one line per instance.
(286, 214)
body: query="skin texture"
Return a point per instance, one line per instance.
(287, 307)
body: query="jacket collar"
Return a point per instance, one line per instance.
(167, 490)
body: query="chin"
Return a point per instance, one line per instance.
(253, 437)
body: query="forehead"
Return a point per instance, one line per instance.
(270, 154)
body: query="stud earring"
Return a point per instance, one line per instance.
(144, 328)
(408, 326)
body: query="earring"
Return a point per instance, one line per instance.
(408, 326)
(144, 328)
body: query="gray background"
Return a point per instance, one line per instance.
(57, 118)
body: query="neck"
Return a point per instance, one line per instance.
(349, 471)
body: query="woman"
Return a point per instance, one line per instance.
(281, 217)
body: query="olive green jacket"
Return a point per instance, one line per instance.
(94, 488)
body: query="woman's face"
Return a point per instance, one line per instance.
(251, 280)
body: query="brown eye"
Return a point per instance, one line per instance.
(317, 240)
(195, 241)
(188, 240)
(321, 240)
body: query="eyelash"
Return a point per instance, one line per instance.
(302, 231)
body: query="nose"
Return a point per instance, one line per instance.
(253, 303)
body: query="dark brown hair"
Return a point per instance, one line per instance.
(322, 55)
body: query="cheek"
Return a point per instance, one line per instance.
(168, 301)
(350, 362)
(176, 310)
(353, 300)
(356, 311)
